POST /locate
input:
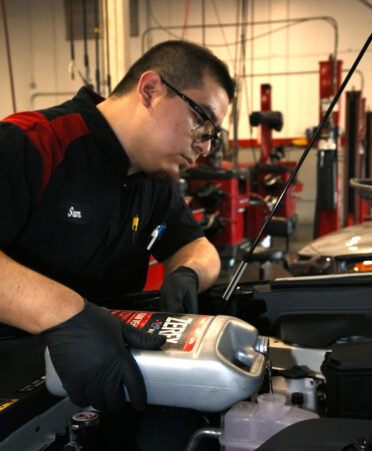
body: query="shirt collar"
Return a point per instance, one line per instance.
(86, 100)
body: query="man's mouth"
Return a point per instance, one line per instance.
(188, 160)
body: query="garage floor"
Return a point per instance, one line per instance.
(301, 236)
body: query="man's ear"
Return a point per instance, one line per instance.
(149, 87)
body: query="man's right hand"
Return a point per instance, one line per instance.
(90, 353)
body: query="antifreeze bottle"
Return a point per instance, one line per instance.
(208, 363)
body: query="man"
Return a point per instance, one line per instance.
(85, 191)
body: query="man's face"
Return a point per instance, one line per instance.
(170, 130)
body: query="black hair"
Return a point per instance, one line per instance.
(182, 64)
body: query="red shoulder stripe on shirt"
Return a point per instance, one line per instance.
(51, 138)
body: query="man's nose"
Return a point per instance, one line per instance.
(203, 147)
(207, 147)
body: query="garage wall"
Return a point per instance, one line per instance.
(41, 55)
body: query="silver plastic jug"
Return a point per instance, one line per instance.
(208, 363)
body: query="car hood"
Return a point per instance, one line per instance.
(349, 241)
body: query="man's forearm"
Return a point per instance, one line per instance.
(31, 301)
(202, 257)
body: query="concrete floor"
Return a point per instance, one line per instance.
(302, 235)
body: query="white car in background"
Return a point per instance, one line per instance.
(347, 250)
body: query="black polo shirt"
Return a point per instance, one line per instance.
(68, 208)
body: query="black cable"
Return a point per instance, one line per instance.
(203, 21)
(97, 32)
(290, 23)
(221, 28)
(107, 49)
(11, 77)
(85, 38)
(72, 43)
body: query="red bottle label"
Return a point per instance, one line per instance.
(182, 331)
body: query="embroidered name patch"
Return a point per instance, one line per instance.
(73, 212)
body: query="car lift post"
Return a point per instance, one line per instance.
(327, 206)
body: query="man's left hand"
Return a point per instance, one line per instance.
(179, 292)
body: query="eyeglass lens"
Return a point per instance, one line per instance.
(205, 132)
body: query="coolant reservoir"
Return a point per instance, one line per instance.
(247, 425)
(208, 363)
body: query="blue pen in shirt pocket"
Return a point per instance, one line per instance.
(156, 234)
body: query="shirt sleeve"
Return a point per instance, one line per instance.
(181, 227)
(20, 180)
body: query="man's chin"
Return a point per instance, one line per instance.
(165, 177)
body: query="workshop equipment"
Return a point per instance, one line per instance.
(270, 175)
(327, 206)
(356, 157)
(268, 121)
(208, 363)
(228, 202)
(326, 117)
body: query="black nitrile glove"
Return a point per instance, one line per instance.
(90, 354)
(179, 292)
